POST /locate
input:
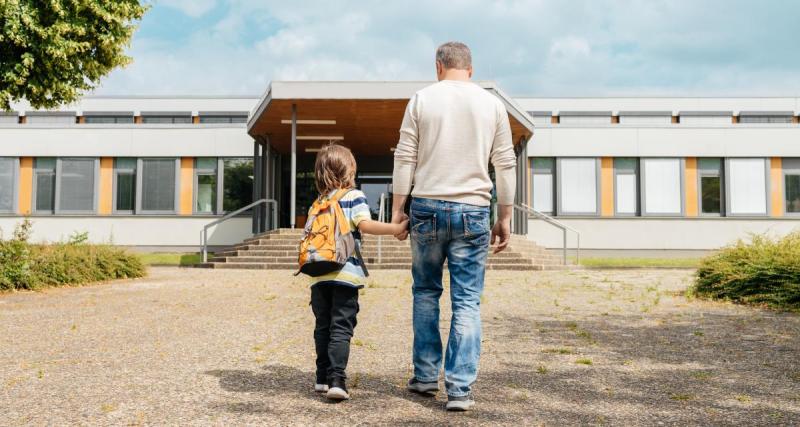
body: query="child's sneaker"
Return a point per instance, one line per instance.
(460, 403)
(321, 388)
(337, 390)
(418, 386)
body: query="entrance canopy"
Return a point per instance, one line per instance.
(364, 116)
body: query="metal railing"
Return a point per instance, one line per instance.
(558, 224)
(204, 233)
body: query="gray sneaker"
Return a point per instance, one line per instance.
(460, 403)
(420, 387)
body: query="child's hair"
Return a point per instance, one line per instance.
(334, 169)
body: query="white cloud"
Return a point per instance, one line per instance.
(193, 8)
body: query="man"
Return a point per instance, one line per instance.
(450, 132)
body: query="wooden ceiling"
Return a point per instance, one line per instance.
(369, 126)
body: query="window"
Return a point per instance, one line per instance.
(747, 186)
(645, 118)
(157, 181)
(237, 183)
(765, 118)
(75, 182)
(707, 118)
(51, 118)
(205, 184)
(709, 176)
(124, 185)
(101, 119)
(662, 181)
(166, 118)
(543, 184)
(577, 185)
(626, 186)
(7, 118)
(222, 118)
(8, 183)
(791, 185)
(44, 180)
(585, 119)
(541, 118)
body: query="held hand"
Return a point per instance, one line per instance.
(401, 219)
(501, 234)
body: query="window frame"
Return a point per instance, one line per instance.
(221, 196)
(635, 173)
(95, 180)
(139, 181)
(553, 178)
(643, 187)
(35, 186)
(767, 189)
(117, 171)
(701, 173)
(793, 171)
(14, 186)
(559, 197)
(218, 172)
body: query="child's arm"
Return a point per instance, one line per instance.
(377, 228)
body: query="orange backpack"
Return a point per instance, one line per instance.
(327, 240)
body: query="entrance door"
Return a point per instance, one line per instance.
(373, 186)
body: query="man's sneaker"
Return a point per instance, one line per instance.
(337, 390)
(418, 386)
(321, 388)
(460, 403)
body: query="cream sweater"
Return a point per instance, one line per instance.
(450, 133)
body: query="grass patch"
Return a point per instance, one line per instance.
(604, 262)
(171, 258)
(541, 369)
(681, 397)
(561, 350)
(763, 272)
(24, 265)
(584, 361)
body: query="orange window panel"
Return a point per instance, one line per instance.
(692, 208)
(187, 186)
(776, 185)
(607, 186)
(25, 198)
(105, 198)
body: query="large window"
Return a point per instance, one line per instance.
(791, 183)
(237, 183)
(645, 118)
(157, 180)
(109, 118)
(8, 183)
(36, 118)
(577, 186)
(543, 184)
(747, 186)
(205, 184)
(207, 118)
(125, 185)
(709, 180)
(662, 182)
(166, 118)
(706, 118)
(44, 185)
(75, 181)
(626, 186)
(585, 119)
(765, 118)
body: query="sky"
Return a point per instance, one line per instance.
(529, 47)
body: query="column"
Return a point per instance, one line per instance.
(293, 171)
(256, 213)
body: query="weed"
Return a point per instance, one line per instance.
(743, 398)
(681, 397)
(541, 369)
(584, 361)
(560, 350)
(698, 333)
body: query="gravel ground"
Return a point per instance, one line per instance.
(216, 347)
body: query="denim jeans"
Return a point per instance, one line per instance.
(458, 233)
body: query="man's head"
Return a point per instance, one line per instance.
(453, 61)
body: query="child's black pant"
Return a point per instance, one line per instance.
(335, 308)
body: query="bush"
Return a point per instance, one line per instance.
(764, 271)
(75, 262)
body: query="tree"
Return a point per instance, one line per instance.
(51, 51)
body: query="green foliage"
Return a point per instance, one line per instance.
(28, 266)
(763, 271)
(640, 262)
(53, 51)
(172, 258)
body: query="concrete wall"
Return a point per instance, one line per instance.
(657, 233)
(142, 231)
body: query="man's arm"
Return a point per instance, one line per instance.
(405, 164)
(505, 163)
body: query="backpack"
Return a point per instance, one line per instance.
(327, 240)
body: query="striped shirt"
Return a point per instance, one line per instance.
(356, 209)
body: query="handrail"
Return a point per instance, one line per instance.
(274, 204)
(558, 224)
(381, 219)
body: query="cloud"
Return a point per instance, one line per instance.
(534, 47)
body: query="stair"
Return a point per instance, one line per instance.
(277, 250)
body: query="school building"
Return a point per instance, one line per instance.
(640, 174)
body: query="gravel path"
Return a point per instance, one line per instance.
(206, 347)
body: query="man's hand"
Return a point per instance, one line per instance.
(501, 232)
(400, 217)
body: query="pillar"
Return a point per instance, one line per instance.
(293, 171)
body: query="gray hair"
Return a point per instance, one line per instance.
(454, 55)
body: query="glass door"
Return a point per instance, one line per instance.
(373, 186)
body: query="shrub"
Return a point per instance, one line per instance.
(75, 262)
(764, 271)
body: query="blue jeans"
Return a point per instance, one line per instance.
(459, 233)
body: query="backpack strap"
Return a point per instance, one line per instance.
(338, 196)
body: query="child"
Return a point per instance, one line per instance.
(334, 296)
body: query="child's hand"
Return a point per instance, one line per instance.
(401, 227)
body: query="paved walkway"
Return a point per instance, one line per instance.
(199, 347)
